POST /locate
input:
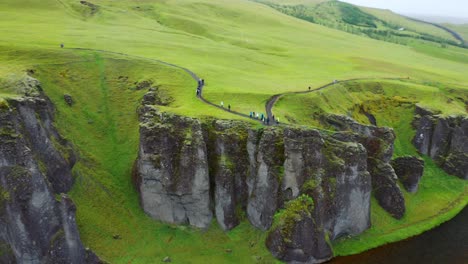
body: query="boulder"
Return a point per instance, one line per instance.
(409, 171)
(68, 99)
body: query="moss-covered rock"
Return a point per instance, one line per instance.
(444, 139)
(409, 171)
(296, 237)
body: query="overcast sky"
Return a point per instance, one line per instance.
(449, 8)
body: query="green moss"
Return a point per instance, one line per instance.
(294, 212)
(60, 234)
(310, 185)
(4, 104)
(65, 150)
(5, 249)
(4, 197)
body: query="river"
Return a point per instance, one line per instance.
(446, 244)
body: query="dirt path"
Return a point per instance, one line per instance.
(274, 99)
(191, 73)
(200, 85)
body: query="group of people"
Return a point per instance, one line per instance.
(264, 118)
(201, 83)
(229, 106)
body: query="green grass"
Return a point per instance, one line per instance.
(104, 111)
(245, 51)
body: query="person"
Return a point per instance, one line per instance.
(61, 45)
(256, 116)
(309, 88)
(261, 117)
(198, 91)
(250, 114)
(222, 104)
(203, 81)
(229, 107)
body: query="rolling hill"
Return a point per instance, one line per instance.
(246, 52)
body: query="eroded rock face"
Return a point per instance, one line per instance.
(229, 164)
(264, 195)
(171, 172)
(35, 164)
(444, 139)
(334, 173)
(297, 238)
(409, 171)
(378, 142)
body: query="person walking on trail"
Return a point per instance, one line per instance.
(229, 107)
(198, 91)
(202, 81)
(222, 104)
(250, 114)
(261, 117)
(309, 88)
(61, 45)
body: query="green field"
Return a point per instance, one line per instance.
(246, 52)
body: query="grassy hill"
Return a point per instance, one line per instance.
(460, 29)
(246, 52)
(375, 23)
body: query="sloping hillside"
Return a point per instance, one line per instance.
(245, 51)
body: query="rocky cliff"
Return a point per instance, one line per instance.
(36, 224)
(378, 142)
(189, 170)
(444, 139)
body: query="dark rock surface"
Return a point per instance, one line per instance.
(35, 164)
(409, 171)
(68, 99)
(334, 173)
(227, 145)
(266, 177)
(378, 142)
(444, 139)
(297, 238)
(171, 172)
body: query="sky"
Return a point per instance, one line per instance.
(447, 8)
